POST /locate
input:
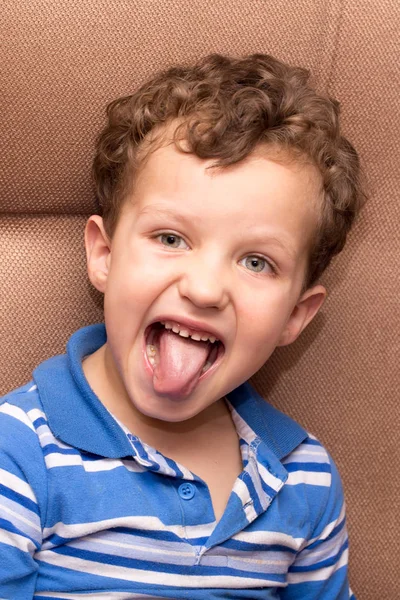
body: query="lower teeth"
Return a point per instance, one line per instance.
(206, 366)
(151, 353)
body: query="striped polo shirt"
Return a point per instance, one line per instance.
(87, 510)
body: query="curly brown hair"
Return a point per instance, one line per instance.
(224, 109)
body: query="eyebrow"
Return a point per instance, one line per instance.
(256, 237)
(260, 237)
(164, 212)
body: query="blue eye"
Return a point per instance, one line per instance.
(257, 264)
(170, 239)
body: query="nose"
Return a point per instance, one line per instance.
(205, 282)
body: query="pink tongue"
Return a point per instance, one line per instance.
(180, 362)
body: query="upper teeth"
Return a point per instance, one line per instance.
(198, 336)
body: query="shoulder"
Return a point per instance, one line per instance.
(23, 401)
(310, 463)
(313, 475)
(22, 405)
(22, 463)
(320, 566)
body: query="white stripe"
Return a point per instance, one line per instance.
(55, 460)
(243, 429)
(108, 464)
(151, 577)
(77, 530)
(269, 537)
(62, 460)
(306, 455)
(32, 388)
(190, 531)
(48, 438)
(17, 413)
(15, 483)
(274, 482)
(241, 490)
(17, 541)
(309, 478)
(319, 575)
(35, 414)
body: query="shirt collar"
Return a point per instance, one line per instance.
(78, 418)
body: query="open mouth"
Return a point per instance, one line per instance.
(180, 357)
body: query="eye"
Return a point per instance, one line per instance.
(257, 264)
(171, 240)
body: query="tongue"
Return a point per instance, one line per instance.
(179, 365)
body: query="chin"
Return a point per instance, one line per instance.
(171, 411)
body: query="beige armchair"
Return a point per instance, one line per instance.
(64, 60)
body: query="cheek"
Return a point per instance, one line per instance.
(261, 320)
(136, 275)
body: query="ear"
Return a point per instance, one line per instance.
(98, 252)
(305, 310)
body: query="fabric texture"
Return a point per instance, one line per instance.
(68, 530)
(63, 61)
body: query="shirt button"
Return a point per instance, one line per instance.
(186, 491)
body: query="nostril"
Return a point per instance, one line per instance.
(205, 292)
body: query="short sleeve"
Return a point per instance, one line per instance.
(320, 570)
(22, 502)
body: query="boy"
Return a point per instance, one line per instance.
(141, 464)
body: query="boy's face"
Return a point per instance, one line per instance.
(222, 253)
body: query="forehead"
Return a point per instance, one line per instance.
(261, 189)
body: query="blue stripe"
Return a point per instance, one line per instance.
(39, 422)
(19, 499)
(11, 528)
(54, 449)
(251, 547)
(268, 489)
(311, 467)
(156, 534)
